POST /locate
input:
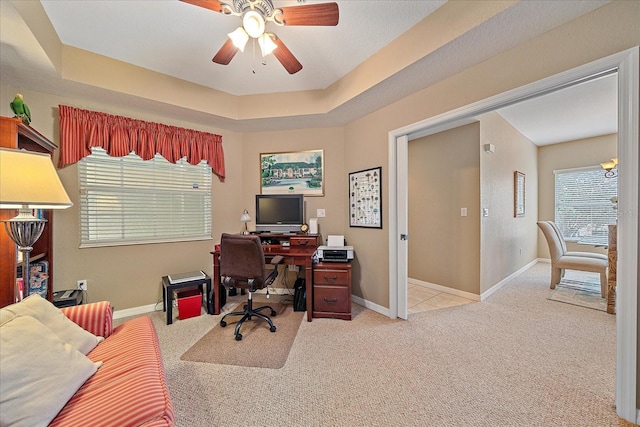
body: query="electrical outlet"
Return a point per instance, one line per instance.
(82, 284)
(320, 213)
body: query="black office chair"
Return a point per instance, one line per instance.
(242, 265)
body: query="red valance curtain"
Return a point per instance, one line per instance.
(118, 136)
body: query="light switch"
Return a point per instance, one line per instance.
(463, 211)
(320, 213)
(485, 212)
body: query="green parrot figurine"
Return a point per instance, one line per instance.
(20, 109)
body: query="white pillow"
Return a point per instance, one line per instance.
(39, 374)
(49, 315)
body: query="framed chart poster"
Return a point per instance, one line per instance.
(365, 198)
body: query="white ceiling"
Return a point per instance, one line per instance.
(582, 111)
(179, 39)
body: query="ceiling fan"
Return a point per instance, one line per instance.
(255, 14)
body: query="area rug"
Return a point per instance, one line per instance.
(575, 292)
(259, 347)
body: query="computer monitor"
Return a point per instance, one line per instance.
(279, 213)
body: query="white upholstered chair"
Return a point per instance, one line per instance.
(562, 260)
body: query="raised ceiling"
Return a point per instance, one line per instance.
(177, 40)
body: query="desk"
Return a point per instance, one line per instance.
(299, 252)
(169, 288)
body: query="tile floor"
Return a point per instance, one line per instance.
(420, 299)
(424, 299)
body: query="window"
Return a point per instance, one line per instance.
(125, 200)
(583, 202)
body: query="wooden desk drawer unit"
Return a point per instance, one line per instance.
(332, 290)
(303, 240)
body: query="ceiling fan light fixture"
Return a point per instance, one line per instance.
(253, 23)
(239, 38)
(267, 45)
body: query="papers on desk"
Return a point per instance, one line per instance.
(185, 277)
(335, 240)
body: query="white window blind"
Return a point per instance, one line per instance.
(126, 200)
(583, 206)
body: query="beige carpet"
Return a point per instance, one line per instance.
(514, 359)
(576, 292)
(258, 348)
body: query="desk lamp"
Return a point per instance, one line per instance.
(28, 180)
(245, 218)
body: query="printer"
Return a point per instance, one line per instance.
(335, 253)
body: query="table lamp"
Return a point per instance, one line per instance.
(245, 218)
(28, 181)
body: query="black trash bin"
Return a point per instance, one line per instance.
(300, 295)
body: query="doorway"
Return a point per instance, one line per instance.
(627, 65)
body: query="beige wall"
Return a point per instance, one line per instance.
(128, 276)
(608, 30)
(444, 176)
(508, 243)
(605, 31)
(568, 155)
(331, 141)
(476, 252)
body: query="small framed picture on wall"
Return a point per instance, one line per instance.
(365, 198)
(518, 193)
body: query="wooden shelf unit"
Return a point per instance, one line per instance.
(15, 134)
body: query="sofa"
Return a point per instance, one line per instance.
(71, 367)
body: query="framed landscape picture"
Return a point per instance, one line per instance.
(296, 172)
(365, 198)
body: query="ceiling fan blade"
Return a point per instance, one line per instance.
(286, 58)
(214, 5)
(226, 53)
(311, 14)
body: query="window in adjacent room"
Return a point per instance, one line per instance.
(583, 203)
(127, 200)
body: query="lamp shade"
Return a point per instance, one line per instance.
(29, 180)
(239, 38)
(267, 45)
(245, 216)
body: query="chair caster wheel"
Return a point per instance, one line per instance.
(272, 329)
(273, 313)
(239, 337)
(223, 323)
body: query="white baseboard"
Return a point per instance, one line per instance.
(134, 311)
(275, 291)
(469, 295)
(486, 294)
(443, 289)
(144, 309)
(370, 305)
